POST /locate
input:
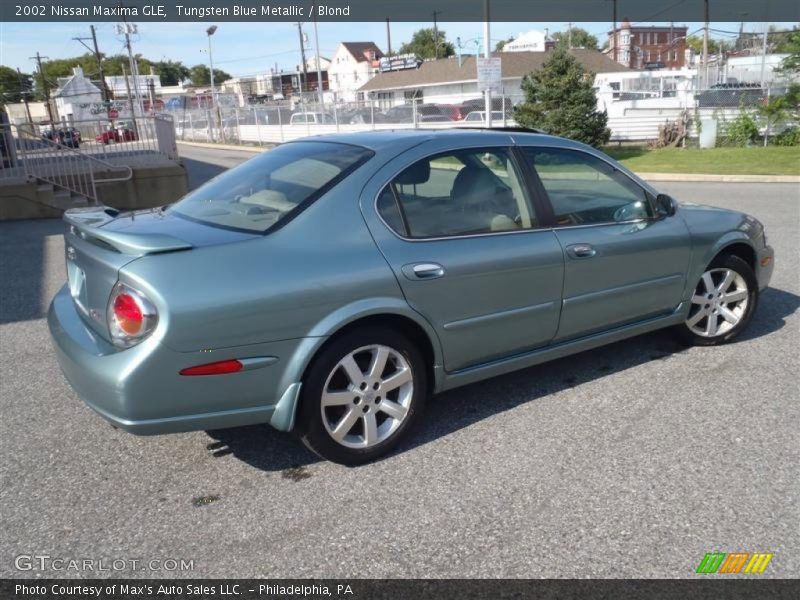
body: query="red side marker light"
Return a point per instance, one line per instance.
(216, 368)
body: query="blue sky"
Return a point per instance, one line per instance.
(248, 48)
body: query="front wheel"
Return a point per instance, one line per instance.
(361, 395)
(723, 303)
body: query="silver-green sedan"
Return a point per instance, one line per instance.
(330, 285)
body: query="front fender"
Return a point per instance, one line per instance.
(706, 255)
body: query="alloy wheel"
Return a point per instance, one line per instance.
(719, 303)
(367, 396)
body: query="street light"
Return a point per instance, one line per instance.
(210, 31)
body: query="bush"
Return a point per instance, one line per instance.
(743, 130)
(788, 137)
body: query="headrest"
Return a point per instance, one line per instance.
(417, 173)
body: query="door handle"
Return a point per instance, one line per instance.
(581, 250)
(423, 271)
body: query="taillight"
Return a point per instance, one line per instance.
(131, 316)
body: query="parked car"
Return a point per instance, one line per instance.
(317, 118)
(360, 116)
(454, 112)
(479, 116)
(63, 136)
(424, 113)
(328, 286)
(117, 135)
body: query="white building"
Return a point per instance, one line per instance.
(353, 65)
(77, 98)
(532, 41)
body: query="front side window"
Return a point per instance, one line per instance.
(584, 190)
(267, 189)
(459, 193)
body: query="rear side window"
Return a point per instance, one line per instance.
(465, 192)
(586, 190)
(265, 190)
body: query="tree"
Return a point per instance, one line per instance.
(791, 45)
(695, 42)
(172, 72)
(423, 43)
(14, 86)
(498, 47)
(580, 39)
(559, 98)
(201, 75)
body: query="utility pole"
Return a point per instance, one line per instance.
(569, 35)
(302, 58)
(319, 67)
(705, 47)
(98, 58)
(764, 59)
(130, 100)
(487, 53)
(435, 35)
(45, 87)
(134, 101)
(388, 38)
(24, 93)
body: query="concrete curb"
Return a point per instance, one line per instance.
(665, 177)
(699, 177)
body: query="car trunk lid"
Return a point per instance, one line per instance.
(100, 241)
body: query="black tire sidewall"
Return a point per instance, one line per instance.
(311, 427)
(734, 263)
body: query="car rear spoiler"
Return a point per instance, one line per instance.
(88, 222)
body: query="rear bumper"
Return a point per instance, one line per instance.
(139, 389)
(765, 265)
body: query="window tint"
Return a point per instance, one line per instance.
(261, 192)
(586, 190)
(464, 192)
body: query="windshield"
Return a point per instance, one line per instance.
(264, 190)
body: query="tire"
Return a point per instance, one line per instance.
(354, 422)
(719, 314)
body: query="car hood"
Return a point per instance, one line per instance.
(699, 217)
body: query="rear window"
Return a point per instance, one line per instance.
(277, 184)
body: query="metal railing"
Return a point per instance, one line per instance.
(56, 163)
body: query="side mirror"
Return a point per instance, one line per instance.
(665, 205)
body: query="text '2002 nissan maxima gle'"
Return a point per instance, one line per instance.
(330, 285)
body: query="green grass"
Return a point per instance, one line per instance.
(773, 160)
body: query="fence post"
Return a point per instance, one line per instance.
(280, 123)
(414, 112)
(372, 111)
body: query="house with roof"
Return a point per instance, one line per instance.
(77, 98)
(352, 65)
(454, 80)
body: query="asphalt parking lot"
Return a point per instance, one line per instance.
(632, 460)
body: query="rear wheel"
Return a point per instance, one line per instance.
(722, 304)
(361, 395)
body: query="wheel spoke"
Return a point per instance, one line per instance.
(370, 429)
(734, 296)
(396, 380)
(692, 321)
(701, 300)
(711, 325)
(728, 315)
(726, 281)
(378, 361)
(352, 369)
(708, 282)
(337, 398)
(345, 424)
(393, 409)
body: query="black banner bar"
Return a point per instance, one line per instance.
(396, 10)
(716, 588)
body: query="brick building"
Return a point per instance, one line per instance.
(648, 46)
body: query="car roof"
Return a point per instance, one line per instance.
(382, 138)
